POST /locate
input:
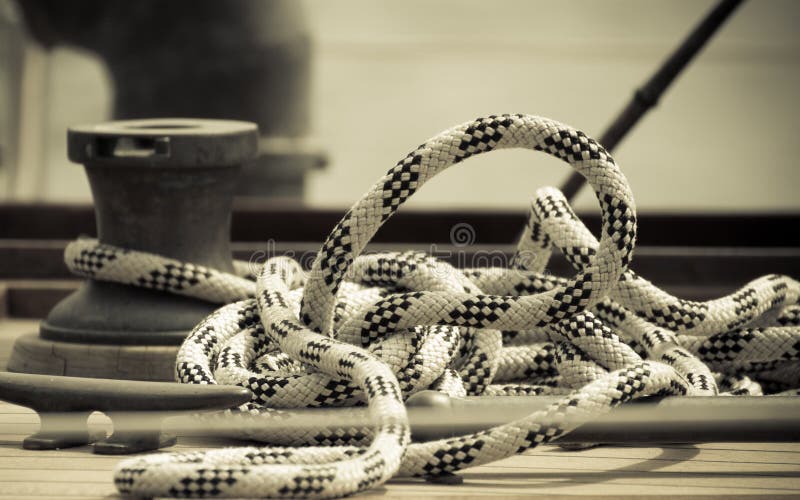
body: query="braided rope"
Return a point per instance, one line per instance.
(375, 329)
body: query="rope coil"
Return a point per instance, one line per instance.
(377, 328)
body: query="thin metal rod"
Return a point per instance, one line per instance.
(647, 96)
(652, 420)
(434, 415)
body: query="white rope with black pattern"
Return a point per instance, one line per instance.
(377, 328)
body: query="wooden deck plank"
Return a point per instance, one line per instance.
(10, 329)
(709, 470)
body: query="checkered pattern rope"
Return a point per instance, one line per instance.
(374, 329)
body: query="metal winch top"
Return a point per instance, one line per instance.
(164, 142)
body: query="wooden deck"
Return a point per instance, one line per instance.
(716, 469)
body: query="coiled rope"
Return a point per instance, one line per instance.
(377, 328)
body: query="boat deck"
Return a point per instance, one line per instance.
(714, 469)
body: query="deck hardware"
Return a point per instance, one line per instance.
(64, 404)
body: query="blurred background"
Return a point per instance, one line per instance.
(355, 84)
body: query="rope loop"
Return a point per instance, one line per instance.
(352, 233)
